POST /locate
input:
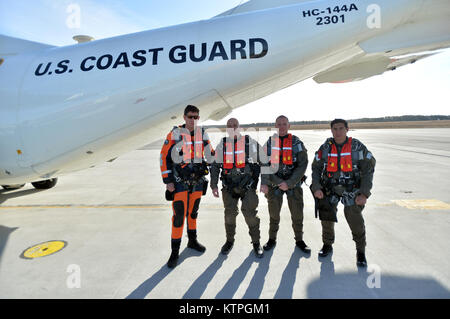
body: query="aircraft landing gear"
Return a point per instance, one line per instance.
(12, 187)
(47, 184)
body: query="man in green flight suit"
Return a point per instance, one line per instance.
(284, 175)
(342, 170)
(237, 158)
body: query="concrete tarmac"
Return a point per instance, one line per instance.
(116, 223)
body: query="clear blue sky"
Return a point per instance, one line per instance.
(421, 88)
(45, 20)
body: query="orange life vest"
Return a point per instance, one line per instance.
(234, 152)
(192, 149)
(346, 158)
(286, 151)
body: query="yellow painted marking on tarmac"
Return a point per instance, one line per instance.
(430, 204)
(43, 249)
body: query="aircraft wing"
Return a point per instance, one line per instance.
(386, 52)
(13, 46)
(361, 68)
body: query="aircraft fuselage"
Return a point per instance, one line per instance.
(68, 108)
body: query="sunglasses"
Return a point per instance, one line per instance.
(195, 117)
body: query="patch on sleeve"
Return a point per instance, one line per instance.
(361, 155)
(319, 155)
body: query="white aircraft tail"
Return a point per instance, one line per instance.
(254, 5)
(14, 46)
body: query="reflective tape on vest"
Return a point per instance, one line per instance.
(237, 155)
(286, 151)
(345, 158)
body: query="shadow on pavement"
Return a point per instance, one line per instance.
(286, 288)
(147, 286)
(256, 284)
(199, 286)
(4, 236)
(371, 283)
(9, 194)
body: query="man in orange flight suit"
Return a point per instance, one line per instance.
(183, 169)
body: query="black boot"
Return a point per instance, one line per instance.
(326, 249)
(259, 252)
(361, 259)
(173, 260)
(226, 248)
(270, 244)
(193, 243)
(301, 244)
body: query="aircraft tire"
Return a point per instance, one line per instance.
(47, 184)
